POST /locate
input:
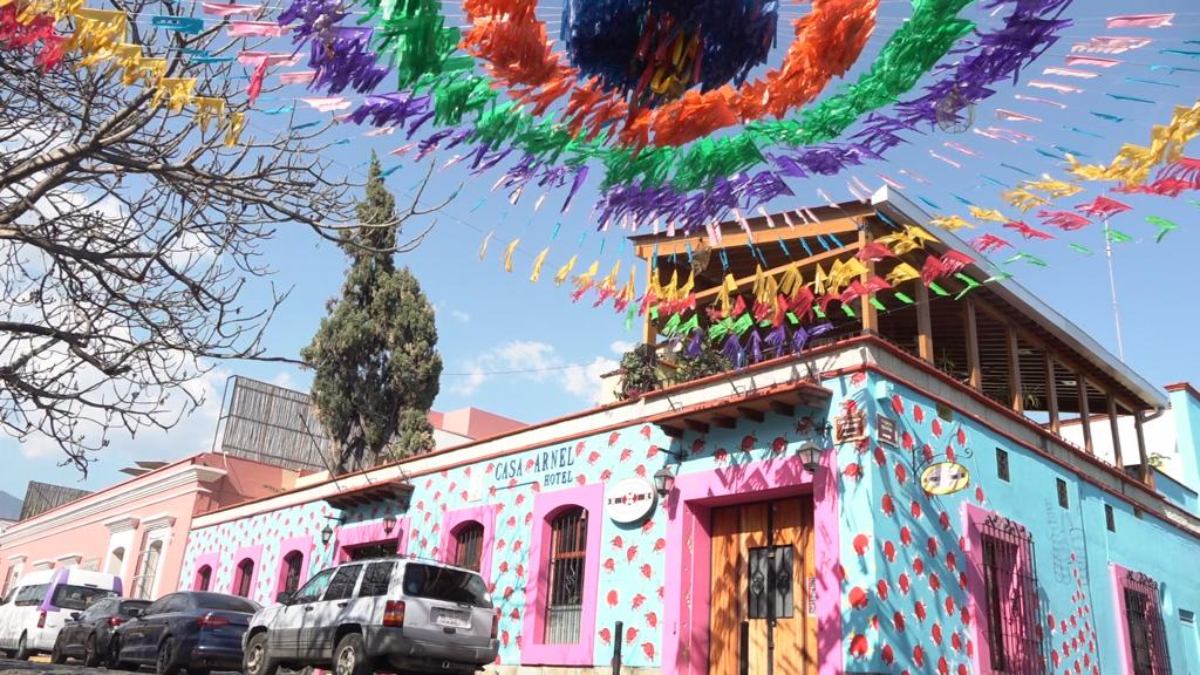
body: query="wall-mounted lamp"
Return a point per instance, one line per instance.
(664, 481)
(326, 534)
(389, 523)
(810, 456)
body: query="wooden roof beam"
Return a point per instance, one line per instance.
(734, 240)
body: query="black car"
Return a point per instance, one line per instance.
(195, 631)
(86, 636)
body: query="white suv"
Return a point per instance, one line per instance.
(393, 614)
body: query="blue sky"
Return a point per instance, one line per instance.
(525, 350)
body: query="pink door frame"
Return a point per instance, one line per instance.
(373, 532)
(686, 632)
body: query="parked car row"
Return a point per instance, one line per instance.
(387, 614)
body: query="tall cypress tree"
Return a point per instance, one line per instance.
(375, 356)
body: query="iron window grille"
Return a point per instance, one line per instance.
(292, 563)
(1014, 627)
(204, 578)
(1143, 619)
(771, 585)
(1002, 464)
(1110, 518)
(468, 550)
(568, 552)
(245, 574)
(1063, 500)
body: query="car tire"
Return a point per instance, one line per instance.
(165, 662)
(23, 653)
(199, 671)
(57, 656)
(350, 656)
(113, 660)
(257, 659)
(91, 652)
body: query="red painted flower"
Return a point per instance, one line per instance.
(613, 598)
(858, 646)
(646, 431)
(901, 473)
(918, 414)
(919, 610)
(889, 551)
(631, 553)
(651, 452)
(861, 542)
(779, 444)
(853, 470)
(648, 650)
(897, 404)
(748, 443)
(903, 582)
(937, 428)
(898, 622)
(592, 457)
(888, 505)
(881, 589)
(638, 600)
(887, 655)
(605, 636)
(626, 454)
(613, 438)
(880, 457)
(651, 619)
(858, 598)
(647, 570)
(631, 634)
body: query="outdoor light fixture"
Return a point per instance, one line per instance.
(389, 523)
(664, 481)
(326, 534)
(810, 456)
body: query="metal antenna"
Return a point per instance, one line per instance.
(1112, 284)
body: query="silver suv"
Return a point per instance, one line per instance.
(395, 614)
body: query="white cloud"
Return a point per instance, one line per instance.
(460, 315)
(536, 362)
(441, 308)
(621, 347)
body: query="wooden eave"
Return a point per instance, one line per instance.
(784, 399)
(392, 490)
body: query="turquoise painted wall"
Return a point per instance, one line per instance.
(902, 552)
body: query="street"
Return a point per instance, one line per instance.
(44, 667)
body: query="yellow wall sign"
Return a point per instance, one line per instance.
(945, 478)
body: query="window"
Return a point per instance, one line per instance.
(1110, 518)
(147, 570)
(1144, 625)
(157, 607)
(127, 606)
(312, 591)
(568, 551)
(376, 579)
(177, 603)
(78, 598)
(1063, 501)
(468, 545)
(203, 578)
(243, 578)
(292, 566)
(1014, 637)
(343, 582)
(31, 595)
(446, 584)
(1002, 464)
(221, 602)
(116, 560)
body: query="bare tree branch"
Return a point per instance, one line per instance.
(129, 236)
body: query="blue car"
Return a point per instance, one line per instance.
(193, 631)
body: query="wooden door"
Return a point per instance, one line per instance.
(761, 622)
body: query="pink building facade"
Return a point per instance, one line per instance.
(136, 529)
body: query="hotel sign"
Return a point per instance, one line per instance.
(549, 467)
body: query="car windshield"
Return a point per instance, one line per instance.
(78, 597)
(128, 606)
(445, 583)
(227, 603)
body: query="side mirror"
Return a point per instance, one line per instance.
(75, 616)
(284, 598)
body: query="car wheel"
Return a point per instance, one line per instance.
(350, 656)
(23, 652)
(91, 655)
(165, 663)
(257, 660)
(112, 660)
(56, 655)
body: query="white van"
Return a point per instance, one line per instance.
(42, 601)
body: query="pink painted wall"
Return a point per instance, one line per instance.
(79, 528)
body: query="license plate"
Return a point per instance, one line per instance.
(451, 619)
